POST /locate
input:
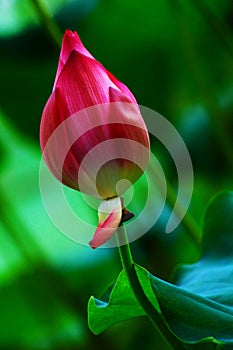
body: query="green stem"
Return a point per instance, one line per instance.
(129, 268)
(47, 20)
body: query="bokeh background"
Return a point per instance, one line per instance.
(177, 58)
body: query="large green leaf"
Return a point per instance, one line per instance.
(199, 306)
(121, 304)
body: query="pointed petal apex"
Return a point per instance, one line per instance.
(122, 87)
(118, 96)
(110, 214)
(71, 42)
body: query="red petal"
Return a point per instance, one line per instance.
(83, 83)
(121, 86)
(52, 116)
(71, 42)
(118, 96)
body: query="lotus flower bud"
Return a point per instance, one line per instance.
(92, 134)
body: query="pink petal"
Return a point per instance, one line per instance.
(83, 83)
(71, 41)
(121, 86)
(118, 96)
(110, 213)
(112, 171)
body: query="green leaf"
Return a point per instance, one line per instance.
(199, 306)
(206, 287)
(121, 304)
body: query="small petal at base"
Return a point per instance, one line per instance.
(110, 214)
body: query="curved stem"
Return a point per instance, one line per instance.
(47, 20)
(129, 268)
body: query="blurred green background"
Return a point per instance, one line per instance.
(177, 58)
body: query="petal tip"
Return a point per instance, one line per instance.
(92, 245)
